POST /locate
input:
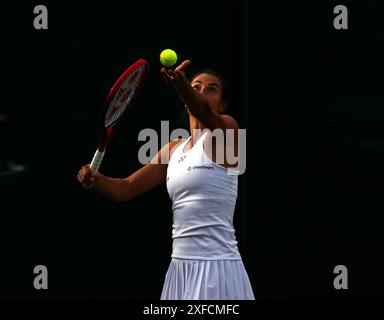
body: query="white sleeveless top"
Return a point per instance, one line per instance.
(203, 198)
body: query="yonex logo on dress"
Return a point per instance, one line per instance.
(181, 159)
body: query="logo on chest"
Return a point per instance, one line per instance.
(181, 159)
(201, 167)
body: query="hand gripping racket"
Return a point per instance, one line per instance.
(118, 99)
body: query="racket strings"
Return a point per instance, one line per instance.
(123, 97)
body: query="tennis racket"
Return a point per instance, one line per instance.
(118, 99)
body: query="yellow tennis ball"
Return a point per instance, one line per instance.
(168, 57)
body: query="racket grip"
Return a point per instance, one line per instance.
(96, 161)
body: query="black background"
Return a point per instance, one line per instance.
(309, 96)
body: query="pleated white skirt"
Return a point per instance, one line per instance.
(206, 280)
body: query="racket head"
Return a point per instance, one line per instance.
(123, 92)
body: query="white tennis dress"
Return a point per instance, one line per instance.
(206, 263)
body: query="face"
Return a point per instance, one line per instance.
(209, 86)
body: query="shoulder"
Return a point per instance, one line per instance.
(166, 151)
(230, 122)
(173, 144)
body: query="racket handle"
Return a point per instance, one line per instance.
(96, 161)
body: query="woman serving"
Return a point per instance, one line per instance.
(205, 261)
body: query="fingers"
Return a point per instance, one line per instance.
(167, 77)
(171, 76)
(183, 65)
(179, 73)
(176, 75)
(86, 177)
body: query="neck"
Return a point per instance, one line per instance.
(194, 125)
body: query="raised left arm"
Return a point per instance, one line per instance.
(197, 104)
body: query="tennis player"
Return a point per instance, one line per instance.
(205, 262)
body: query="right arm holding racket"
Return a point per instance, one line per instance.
(124, 189)
(147, 177)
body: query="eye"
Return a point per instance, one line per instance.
(196, 87)
(212, 89)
